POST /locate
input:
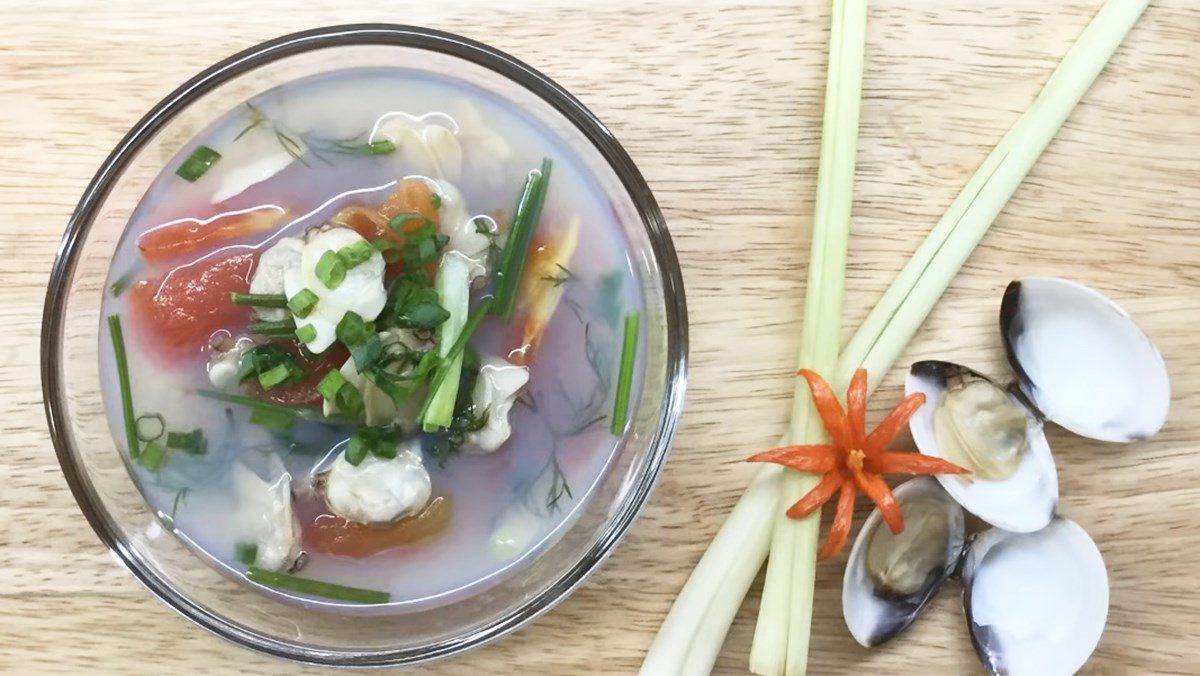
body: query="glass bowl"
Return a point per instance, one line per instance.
(94, 467)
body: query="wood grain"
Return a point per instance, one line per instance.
(719, 103)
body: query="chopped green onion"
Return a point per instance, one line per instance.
(625, 376)
(398, 221)
(349, 399)
(118, 341)
(436, 200)
(358, 448)
(444, 385)
(259, 299)
(520, 237)
(197, 163)
(330, 385)
(275, 376)
(352, 330)
(276, 420)
(388, 249)
(192, 443)
(328, 590)
(306, 333)
(366, 353)
(356, 254)
(120, 284)
(331, 269)
(153, 456)
(277, 329)
(156, 433)
(302, 303)
(415, 306)
(268, 411)
(246, 552)
(382, 147)
(385, 448)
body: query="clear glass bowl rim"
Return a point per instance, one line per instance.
(589, 125)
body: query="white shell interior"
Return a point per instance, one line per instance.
(1025, 501)
(870, 618)
(1036, 603)
(1083, 361)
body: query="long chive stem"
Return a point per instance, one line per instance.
(520, 237)
(337, 592)
(625, 376)
(446, 367)
(257, 404)
(259, 299)
(118, 341)
(278, 329)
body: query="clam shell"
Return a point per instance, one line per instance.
(1025, 501)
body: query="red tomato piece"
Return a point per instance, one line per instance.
(176, 315)
(303, 393)
(188, 235)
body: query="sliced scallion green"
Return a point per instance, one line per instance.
(625, 376)
(120, 284)
(520, 237)
(436, 200)
(257, 404)
(327, 590)
(276, 329)
(330, 385)
(246, 552)
(381, 147)
(357, 449)
(118, 341)
(153, 456)
(331, 269)
(352, 330)
(398, 221)
(306, 333)
(150, 426)
(259, 299)
(276, 420)
(199, 162)
(274, 376)
(192, 443)
(349, 399)
(356, 254)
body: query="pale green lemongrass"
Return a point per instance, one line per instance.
(782, 633)
(695, 627)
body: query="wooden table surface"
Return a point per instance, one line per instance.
(719, 103)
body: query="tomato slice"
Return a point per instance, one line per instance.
(188, 235)
(334, 535)
(412, 196)
(303, 393)
(176, 315)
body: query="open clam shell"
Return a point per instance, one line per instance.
(1082, 361)
(890, 579)
(1023, 502)
(1036, 603)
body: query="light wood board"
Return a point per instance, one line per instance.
(719, 103)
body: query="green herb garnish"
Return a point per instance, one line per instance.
(259, 299)
(366, 353)
(153, 456)
(277, 329)
(446, 362)
(520, 237)
(415, 306)
(302, 303)
(279, 375)
(352, 330)
(120, 284)
(331, 269)
(349, 399)
(276, 420)
(328, 590)
(150, 426)
(258, 406)
(197, 163)
(330, 385)
(246, 552)
(625, 376)
(377, 441)
(306, 333)
(356, 254)
(436, 200)
(397, 222)
(118, 341)
(271, 364)
(192, 443)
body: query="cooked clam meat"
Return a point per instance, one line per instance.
(901, 564)
(979, 426)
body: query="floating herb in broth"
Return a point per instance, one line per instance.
(339, 306)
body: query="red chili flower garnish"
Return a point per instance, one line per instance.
(853, 460)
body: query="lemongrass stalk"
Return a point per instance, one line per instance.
(785, 616)
(695, 627)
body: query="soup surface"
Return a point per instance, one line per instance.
(375, 333)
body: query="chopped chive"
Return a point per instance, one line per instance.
(388, 249)
(520, 237)
(358, 448)
(356, 254)
(197, 163)
(352, 330)
(330, 384)
(153, 456)
(625, 377)
(276, 420)
(259, 299)
(120, 284)
(274, 376)
(152, 433)
(349, 399)
(192, 443)
(331, 269)
(385, 448)
(382, 147)
(306, 333)
(279, 329)
(398, 221)
(256, 404)
(246, 552)
(436, 200)
(118, 341)
(327, 590)
(443, 364)
(302, 303)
